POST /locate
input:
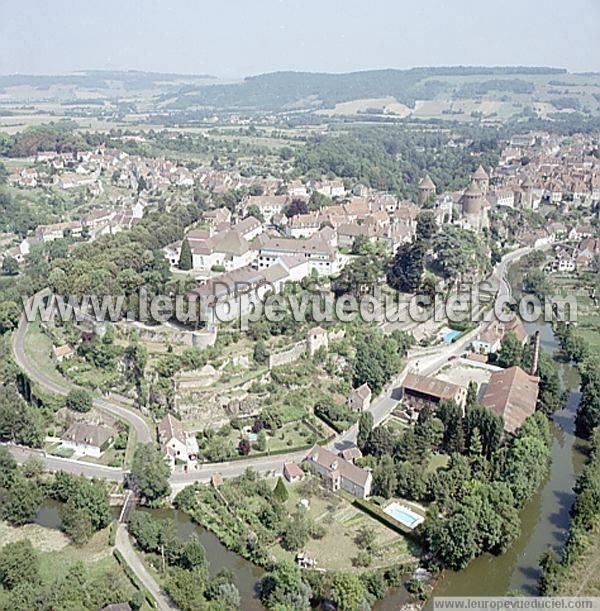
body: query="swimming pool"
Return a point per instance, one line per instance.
(404, 515)
(450, 335)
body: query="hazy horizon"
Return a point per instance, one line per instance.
(237, 39)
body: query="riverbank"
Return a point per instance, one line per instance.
(57, 556)
(545, 518)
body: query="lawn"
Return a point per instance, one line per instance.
(57, 553)
(437, 461)
(287, 437)
(83, 374)
(44, 539)
(95, 554)
(342, 521)
(291, 435)
(395, 425)
(588, 318)
(38, 348)
(111, 458)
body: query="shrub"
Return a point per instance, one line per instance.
(79, 400)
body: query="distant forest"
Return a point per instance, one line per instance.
(99, 79)
(278, 90)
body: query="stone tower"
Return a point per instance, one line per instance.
(426, 189)
(481, 179)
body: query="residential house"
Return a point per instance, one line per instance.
(72, 180)
(60, 353)
(580, 232)
(502, 198)
(217, 217)
(267, 205)
(359, 399)
(587, 253)
(493, 333)
(303, 225)
(297, 190)
(339, 473)
(328, 188)
(175, 442)
(88, 439)
(48, 233)
(249, 228)
(228, 249)
(96, 217)
(351, 453)
(323, 257)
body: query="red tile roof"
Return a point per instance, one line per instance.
(512, 394)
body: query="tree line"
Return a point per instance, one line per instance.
(585, 517)
(474, 500)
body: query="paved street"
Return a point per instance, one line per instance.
(77, 467)
(143, 431)
(423, 360)
(123, 544)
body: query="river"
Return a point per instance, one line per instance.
(545, 519)
(246, 574)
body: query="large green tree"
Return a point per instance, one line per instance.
(284, 588)
(19, 421)
(588, 411)
(384, 477)
(79, 400)
(23, 500)
(488, 424)
(511, 351)
(406, 269)
(347, 592)
(150, 473)
(454, 540)
(365, 426)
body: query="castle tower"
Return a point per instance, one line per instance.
(426, 189)
(527, 200)
(481, 179)
(472, 206)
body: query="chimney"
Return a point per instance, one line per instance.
(536, 352)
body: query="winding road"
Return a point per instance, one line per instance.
(424, 360)
(143, 432)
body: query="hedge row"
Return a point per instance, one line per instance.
(112, 533)
(383, 517)
(277, 452)
(134, 579)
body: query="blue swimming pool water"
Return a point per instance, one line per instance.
(402, 516)
(451, 335)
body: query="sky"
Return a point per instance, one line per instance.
(235, 38)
